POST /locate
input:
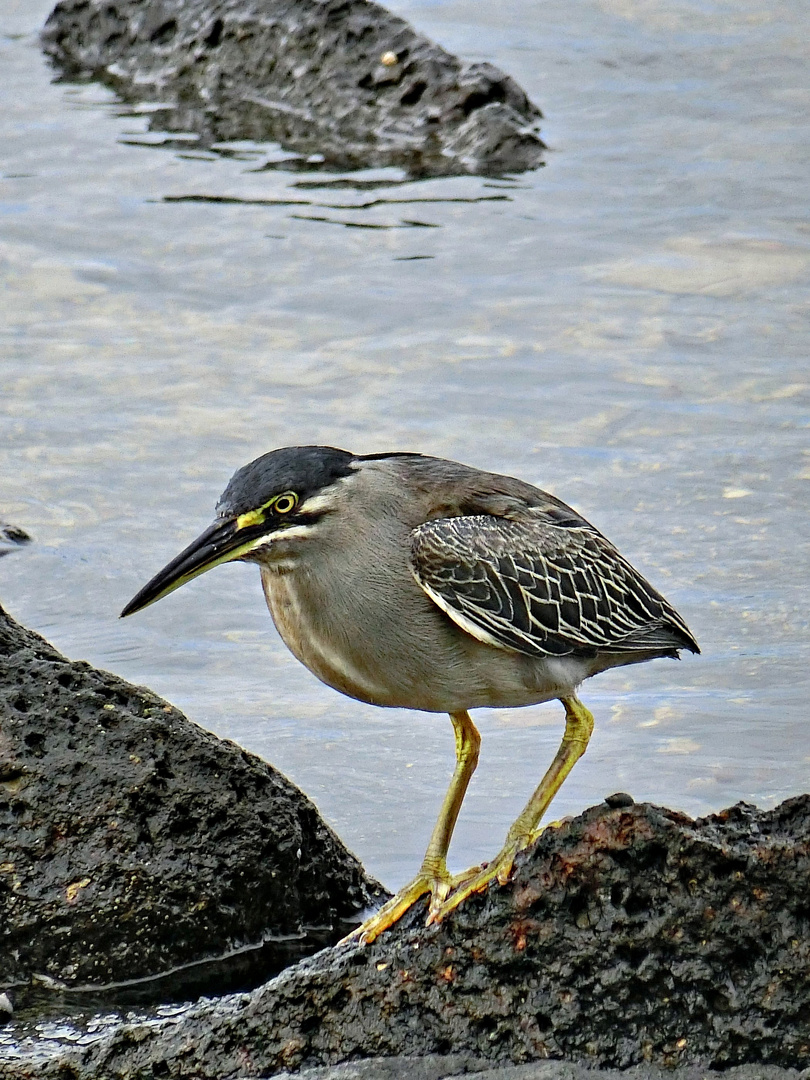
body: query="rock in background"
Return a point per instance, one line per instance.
(11, 538)
(342, 79)
(132, 841)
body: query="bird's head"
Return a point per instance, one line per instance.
(278, 496)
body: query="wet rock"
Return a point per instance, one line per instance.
(341, 79)
(442, 1068)
(628, 937)
(132, 841)
(11, 538)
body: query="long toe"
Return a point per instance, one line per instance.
(395, 908)
(538, 832)
(449, 888)
(479, 878)
(498, 870)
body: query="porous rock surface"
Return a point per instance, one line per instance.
(629, 936)
(132, 841)
(342, 79)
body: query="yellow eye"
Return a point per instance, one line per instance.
(285, 503)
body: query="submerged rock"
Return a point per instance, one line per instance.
(342, 79)
(628, 936)
(132, 841)
(11, 538)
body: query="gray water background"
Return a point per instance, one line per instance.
(626, 327)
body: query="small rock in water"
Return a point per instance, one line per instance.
(12, 537)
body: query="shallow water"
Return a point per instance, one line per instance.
(43, 1001)
(625, 327)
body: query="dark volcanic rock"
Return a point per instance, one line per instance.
(344, 79)
(443, 1067)
(12, 537)
(627, 936)
(132, 841)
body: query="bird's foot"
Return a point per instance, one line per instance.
(446, 890)
(435, 881)
(538, 832)
(439, 897)
(479, 878)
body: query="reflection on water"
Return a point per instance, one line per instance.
(625, 327)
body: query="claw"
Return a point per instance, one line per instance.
(437, 898)
(477, 880)
(437, 883)
(505, 872)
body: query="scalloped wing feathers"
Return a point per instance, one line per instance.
(547, 585)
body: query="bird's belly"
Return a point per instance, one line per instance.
(310, 641)
(435, 668)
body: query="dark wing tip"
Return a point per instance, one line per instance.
(682, 634)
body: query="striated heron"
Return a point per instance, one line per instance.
(413, 582)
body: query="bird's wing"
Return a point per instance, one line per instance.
(541, 588)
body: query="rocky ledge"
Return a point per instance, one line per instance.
(631, 936)
(132, 841)
(343, 80)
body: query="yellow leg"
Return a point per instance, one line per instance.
(578, 728)
(433, 876)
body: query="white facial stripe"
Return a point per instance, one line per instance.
(294, 532)
(260, 541)
(321, 502)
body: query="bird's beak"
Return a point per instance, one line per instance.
(223, 542)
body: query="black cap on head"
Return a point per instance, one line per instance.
(302, 469)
